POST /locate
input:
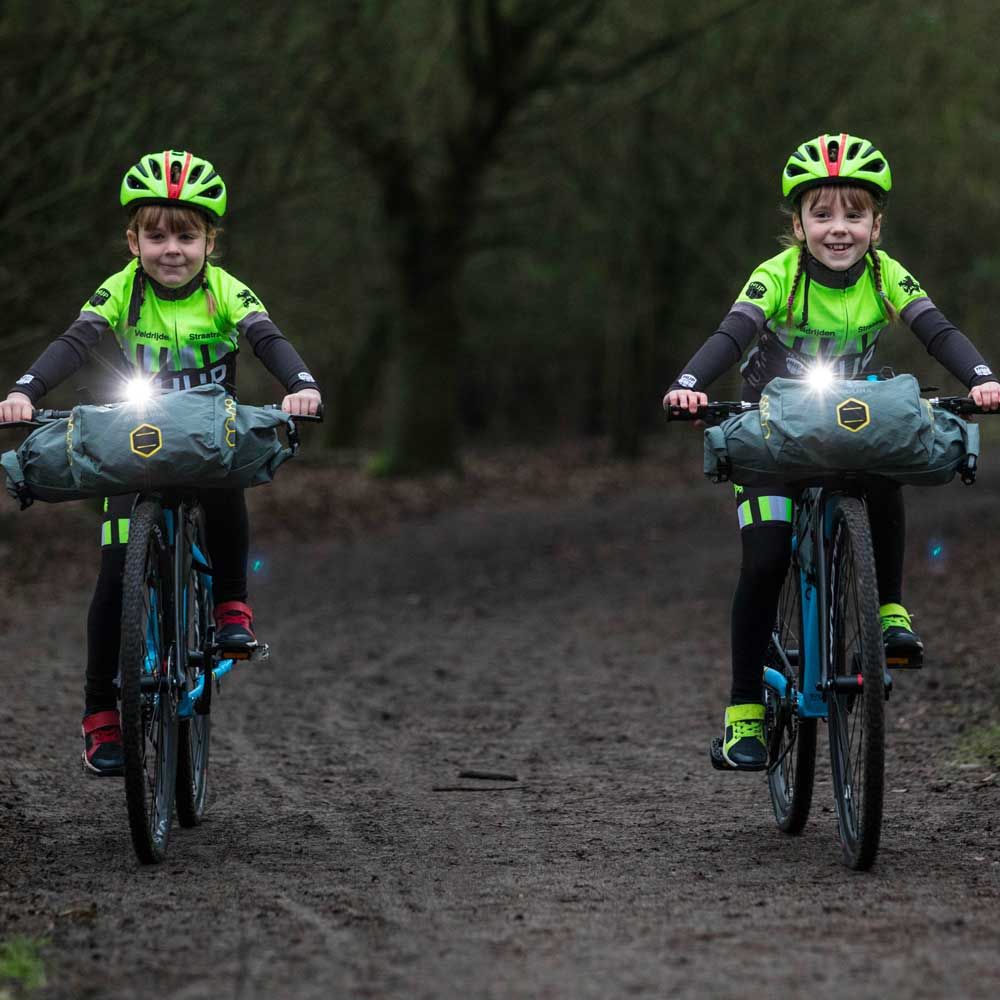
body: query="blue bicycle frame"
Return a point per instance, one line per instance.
(811, 701)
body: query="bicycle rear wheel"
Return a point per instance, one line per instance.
(791, 740)
(149, 698)
(194, 732)
(856, 699)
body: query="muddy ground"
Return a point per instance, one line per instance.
(551, 616)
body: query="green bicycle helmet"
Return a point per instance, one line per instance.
(836, 159)
(173, 177)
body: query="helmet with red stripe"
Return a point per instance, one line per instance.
(175, 177)
(836, 159)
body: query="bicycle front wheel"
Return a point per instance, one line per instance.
(149, 697)
(194, 731)
(791, 740)
(856, 697)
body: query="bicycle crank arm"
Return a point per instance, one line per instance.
(853, 683)
(187, 704)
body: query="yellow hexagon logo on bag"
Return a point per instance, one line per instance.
(146, 440)
(853, 415)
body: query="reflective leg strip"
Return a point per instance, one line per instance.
(108, 534)
(745, 514)
(768, 509)
(775, 508)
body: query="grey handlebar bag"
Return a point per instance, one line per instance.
(882, 428)
(198, 438)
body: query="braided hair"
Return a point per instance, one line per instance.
(877, 271)
(800, 267)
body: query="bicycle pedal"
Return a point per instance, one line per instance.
(911, 662)
(259, 651)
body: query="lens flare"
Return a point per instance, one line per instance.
(820, 377)
(138, 391)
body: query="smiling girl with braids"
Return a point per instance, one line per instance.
(824, 300)
(178, 320)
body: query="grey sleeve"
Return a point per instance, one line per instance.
(64, 356)
(946, 343)
(276, 353)
(723, 348)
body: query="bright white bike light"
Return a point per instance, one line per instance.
(138, 391)
(820, 377)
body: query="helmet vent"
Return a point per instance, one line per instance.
(141, 169)
(813, 152)
(135, 184)
(793, 170)
(213, 192)
(869, 150)
(195, 173)
(833, 150)
(853, 150)
(210, 177)
(799, 156)
(873, 166)
(175, 172)
(154, 169)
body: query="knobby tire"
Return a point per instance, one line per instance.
(149, 712)
(194, 733)
(791, 740)
(856, 719)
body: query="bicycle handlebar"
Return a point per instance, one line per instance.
(716, 412)
(48, 416)
(711, 413)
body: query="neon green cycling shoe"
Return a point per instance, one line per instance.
(903, 647)
(743, 745)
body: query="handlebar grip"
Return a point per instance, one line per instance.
(315, 418)
(676, 413)
(962, 405)
(711, 413)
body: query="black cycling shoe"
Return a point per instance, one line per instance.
(903, 647)
(742, 748)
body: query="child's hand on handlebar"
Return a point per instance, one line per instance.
(304, 403)
(684, 399)
(987, 395)
(16, 407)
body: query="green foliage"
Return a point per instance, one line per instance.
(981, 746)
(21, 962)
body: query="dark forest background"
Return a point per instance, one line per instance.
(485, 221)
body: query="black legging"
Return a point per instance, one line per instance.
(227, 527)
(766, 554)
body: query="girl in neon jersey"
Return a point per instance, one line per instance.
(825, 299)
(177, 319)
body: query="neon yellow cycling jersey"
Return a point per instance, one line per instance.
(837, 317)
(182, 334)
(833, 322)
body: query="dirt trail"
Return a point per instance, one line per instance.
(576, 641)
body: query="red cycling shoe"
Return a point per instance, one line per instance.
(103, 753)
(234, 628)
